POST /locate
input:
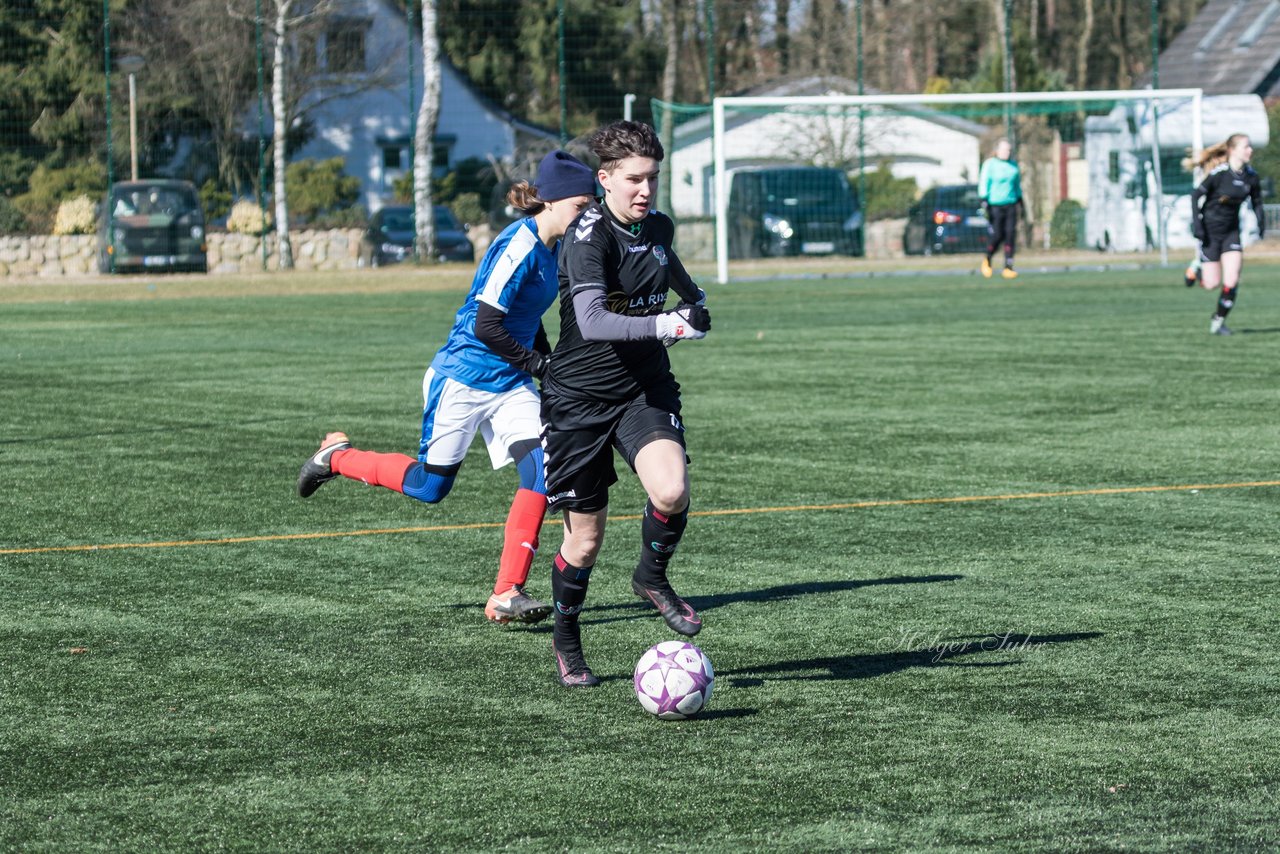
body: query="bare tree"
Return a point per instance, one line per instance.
(1082, 47)
(424, 242)
(204, 56)
(782, 34)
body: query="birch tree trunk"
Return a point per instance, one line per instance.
(424, 241)
(280, 120)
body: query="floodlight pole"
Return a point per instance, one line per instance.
(133, 125)
(627, 100)
(131, 65)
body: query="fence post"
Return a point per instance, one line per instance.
(262, 151)
(106, 60)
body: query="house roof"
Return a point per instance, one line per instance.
(1232, 47)
(700, 127)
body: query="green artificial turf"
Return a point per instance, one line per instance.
(1080, 672)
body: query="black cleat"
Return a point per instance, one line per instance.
(316, 471)
(571, 668)
(678, 613)
(515, 606)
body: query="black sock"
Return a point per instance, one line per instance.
(569, 591)
(1226, 302)
(660, 534)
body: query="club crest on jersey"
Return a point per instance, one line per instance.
(585, 223)
(661, 255)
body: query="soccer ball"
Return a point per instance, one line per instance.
(673, 680)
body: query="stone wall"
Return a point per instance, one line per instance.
(47, 256)
(312, 250)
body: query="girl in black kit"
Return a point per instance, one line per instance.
(609, 385)
(1216, 223)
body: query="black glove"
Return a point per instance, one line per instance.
(536, 365)
(697, 315)
(688, 321)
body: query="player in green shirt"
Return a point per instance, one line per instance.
(1000, 187)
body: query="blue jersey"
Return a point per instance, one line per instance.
(518, 277)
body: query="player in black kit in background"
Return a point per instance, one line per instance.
(1216, 223)
(609, 385)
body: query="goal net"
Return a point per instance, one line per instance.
(886, 175)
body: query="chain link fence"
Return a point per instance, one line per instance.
(228, 96)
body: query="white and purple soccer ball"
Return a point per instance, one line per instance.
(674, 680)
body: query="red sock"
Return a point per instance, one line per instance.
(520, 539)
(372, 468)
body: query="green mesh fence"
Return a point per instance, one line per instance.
(96, 92)
(888, 180)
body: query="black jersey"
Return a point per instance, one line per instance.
(634, 266)
(1224, 190)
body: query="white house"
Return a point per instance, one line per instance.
(365, 115)
(1125, 204)
(931, 147)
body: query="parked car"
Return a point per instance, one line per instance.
(793, 210)
(152, 226)
(946, 219)
(389, 237)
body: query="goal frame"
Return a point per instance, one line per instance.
(721, 105)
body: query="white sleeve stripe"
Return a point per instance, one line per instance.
(517, 249)
(484, 298)
(585, 286)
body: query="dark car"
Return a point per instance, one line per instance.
(152, 226)
(946, 219)
(389, 237)
(793, 210)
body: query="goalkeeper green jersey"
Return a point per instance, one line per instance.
(1000, 181)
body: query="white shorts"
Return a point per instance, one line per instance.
(453, 412)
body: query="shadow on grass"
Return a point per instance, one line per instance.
(1270, 330)
(766, 595)
(779, 593)
(915, 652)
(723, 714)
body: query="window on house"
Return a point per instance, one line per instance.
(344, 48)
(392, 157)
(1113, 167)
(1175, 180)
(305, 52)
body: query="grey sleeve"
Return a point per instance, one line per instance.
(597, 323)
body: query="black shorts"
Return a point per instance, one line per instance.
(1216, 243)
(578, 437)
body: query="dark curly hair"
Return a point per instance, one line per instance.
(615, 142)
